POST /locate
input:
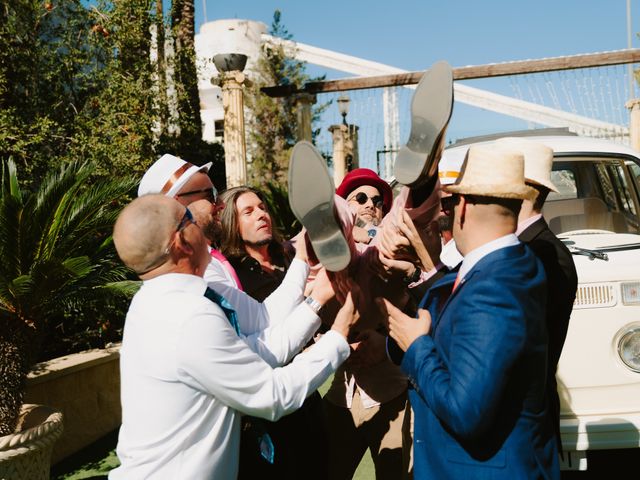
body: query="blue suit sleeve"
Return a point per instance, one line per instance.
(488, 333)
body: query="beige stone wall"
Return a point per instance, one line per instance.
(85, 387)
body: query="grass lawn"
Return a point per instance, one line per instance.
(95, 461)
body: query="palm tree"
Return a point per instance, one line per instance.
(55, 253)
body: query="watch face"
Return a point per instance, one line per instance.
(372, 232)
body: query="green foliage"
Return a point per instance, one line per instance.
(272, 122)
(59, 266)
(77, 83)
(277, 198)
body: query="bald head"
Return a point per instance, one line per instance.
(143, 230)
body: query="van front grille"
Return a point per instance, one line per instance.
(595, 295)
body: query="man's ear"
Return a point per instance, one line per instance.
(183, 245)
(462, 209)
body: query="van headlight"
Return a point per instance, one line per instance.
(630, 293)
(629, 346)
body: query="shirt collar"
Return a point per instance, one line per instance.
(176, 281)
(474, 256)
(522, 226)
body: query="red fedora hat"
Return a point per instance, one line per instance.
(364, 176)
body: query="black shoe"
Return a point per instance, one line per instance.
(431, 109)
(311, 193)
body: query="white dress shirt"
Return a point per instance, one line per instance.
(218, 273)
(187, 377)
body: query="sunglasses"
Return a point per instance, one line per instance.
(447, 204)
(186, 219)
(362, 198)
(211, 194)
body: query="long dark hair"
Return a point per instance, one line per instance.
(232, 243)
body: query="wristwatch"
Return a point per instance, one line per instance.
(413, 278)
(313, 304)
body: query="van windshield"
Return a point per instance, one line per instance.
(593, 194)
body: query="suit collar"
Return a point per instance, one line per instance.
(533, 230)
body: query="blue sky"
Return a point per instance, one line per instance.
(414, 34)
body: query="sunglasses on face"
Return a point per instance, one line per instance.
(186, 219)
(211, 194)
(447, 204)
(362, 198)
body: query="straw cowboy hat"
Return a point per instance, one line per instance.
(168, 175)
(493, 171)
(538, 160)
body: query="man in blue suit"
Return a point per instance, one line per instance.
(476, 357)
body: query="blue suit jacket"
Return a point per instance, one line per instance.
(479, 377)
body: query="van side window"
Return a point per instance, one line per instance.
(565, 182)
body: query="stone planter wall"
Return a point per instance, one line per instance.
(85, 387)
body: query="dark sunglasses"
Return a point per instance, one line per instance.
(447, 204)
(211, 194)
(184, 221)
(362, 198)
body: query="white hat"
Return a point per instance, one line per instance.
(168, 175)
(449, 168)
(538, 160)
(493, 171)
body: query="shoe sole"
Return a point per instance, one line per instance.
(431, 109)
(311, 193)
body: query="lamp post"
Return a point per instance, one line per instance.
(230, 66)
(345, 143)
(343, 107)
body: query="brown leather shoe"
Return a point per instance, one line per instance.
(311, 193)
(431, 109)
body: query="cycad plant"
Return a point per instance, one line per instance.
(56, 254)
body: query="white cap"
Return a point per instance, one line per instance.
(168, 175)
(449, 168)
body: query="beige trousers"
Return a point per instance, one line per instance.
(352, 431)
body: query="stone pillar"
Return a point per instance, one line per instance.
(352, 148)
(235, 153)
(339, 134)
(634, 123)
(304, 101)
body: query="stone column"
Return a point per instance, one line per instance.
(235, 153)
(634, 123)
(339, 134)
(304, 101)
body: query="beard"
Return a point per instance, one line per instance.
(260, 243)
(213, 232)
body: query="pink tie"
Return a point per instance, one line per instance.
(225, 263)
(456, 283)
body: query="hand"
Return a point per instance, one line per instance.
(300, 246)
(361, 235)
(427, 245)
(346, 318)
(322, 290)
(403, 267)
(369, 349)
(402, 328)
(393, 244)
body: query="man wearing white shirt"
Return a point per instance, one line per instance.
(187, 373)
(191, 186)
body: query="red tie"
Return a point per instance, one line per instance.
(456, 283)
